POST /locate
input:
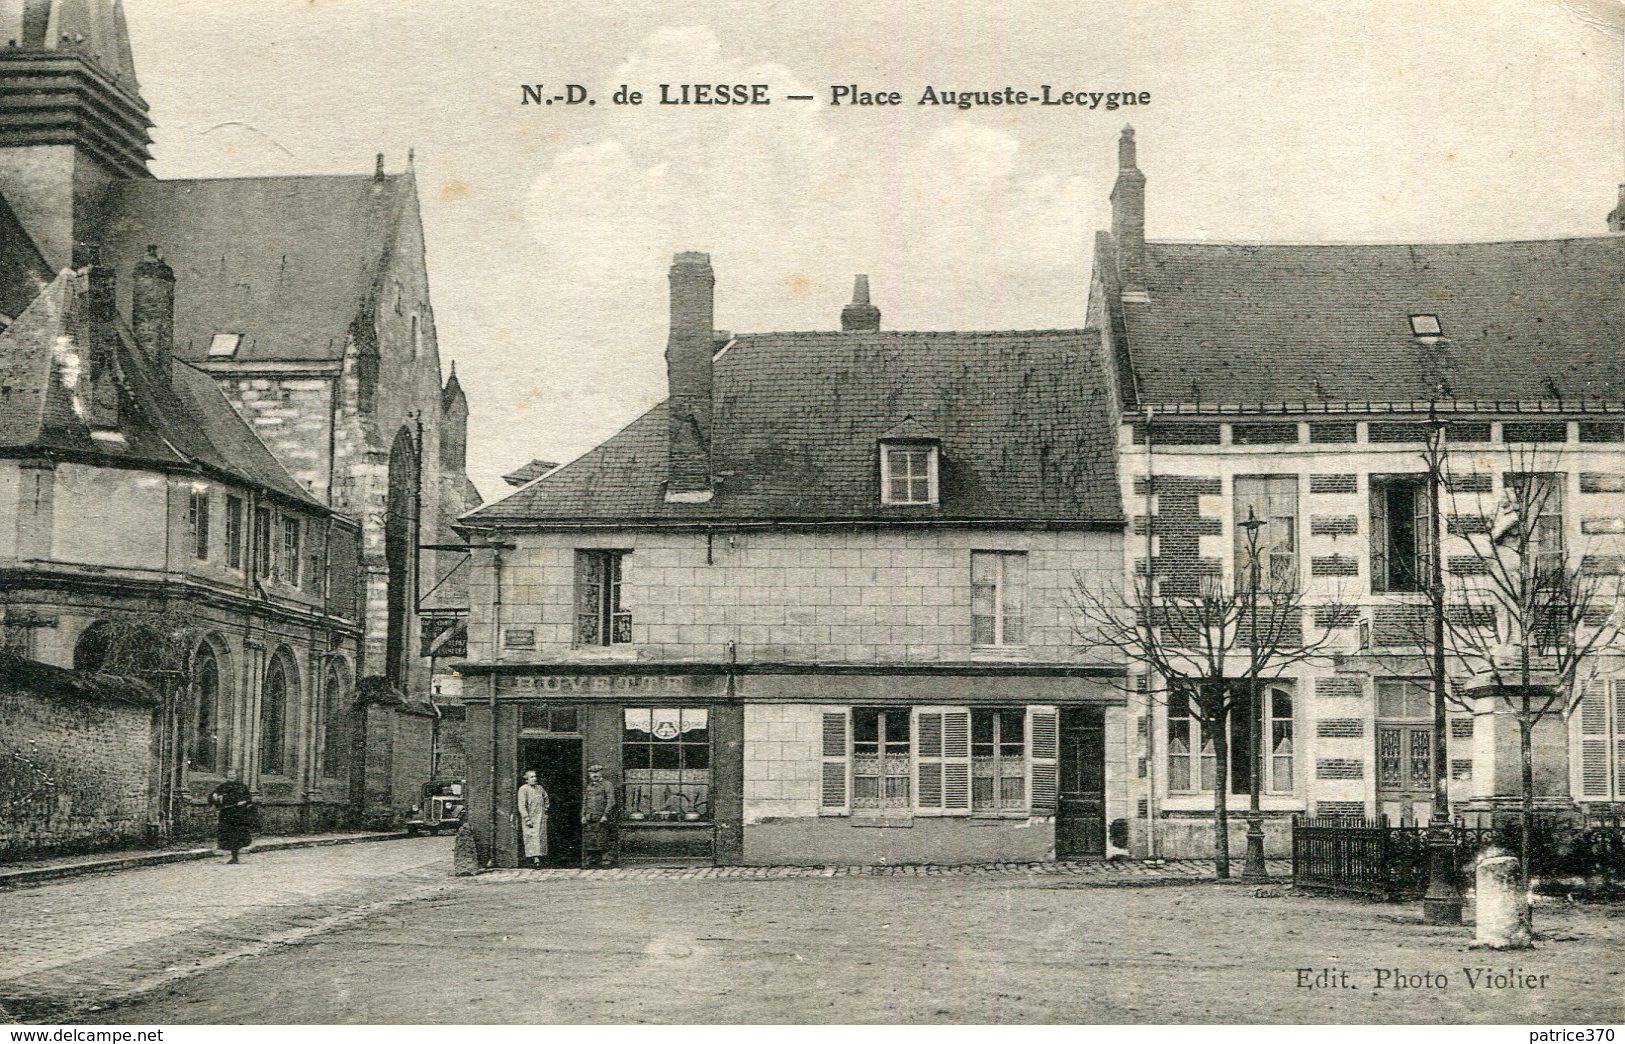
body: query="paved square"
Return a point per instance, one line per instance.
(1014, 947)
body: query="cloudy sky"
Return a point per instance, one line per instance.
(550, 229)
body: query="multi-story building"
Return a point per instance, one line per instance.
(141, 513)
(305, 299)
(1299, 385)
(816, 606)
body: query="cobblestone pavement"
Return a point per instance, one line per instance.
(69, 940)
(1172, 871)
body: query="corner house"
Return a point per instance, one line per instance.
(816, 606)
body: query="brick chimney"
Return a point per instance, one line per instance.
(688, 380)
(101, 345)
(152, 307)
(1616, 220)
(860, 314)
(1128, 217)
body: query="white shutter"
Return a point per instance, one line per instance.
(1619, 740)
(1594, 776)
(955, 761)
(927, 731)
(835, 745)
(1043, 759)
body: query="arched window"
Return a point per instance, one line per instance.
(274, 701)
(400, 545)
(205, 745)
(335, 722)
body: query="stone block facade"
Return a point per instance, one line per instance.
(1371, 635)
(865, 596)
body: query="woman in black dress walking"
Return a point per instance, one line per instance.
(236, 807)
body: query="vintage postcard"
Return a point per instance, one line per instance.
(895, 514)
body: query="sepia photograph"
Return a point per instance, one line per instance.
(898, 515)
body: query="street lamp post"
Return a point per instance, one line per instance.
(1253, 867)
(1442, 903)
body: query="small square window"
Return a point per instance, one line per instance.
(1425, 325)
(224, 345)
(908, 473)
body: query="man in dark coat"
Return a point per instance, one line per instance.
(237, 814)
(597, 820)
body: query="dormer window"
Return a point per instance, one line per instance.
(1425, 325)
(908, 473)
(224, 345)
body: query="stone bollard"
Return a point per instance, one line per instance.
(1502, 903)
(465, 853)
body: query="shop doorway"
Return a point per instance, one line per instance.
(1080, 815)
(558, 768)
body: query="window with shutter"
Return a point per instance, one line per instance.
(1043, 752)
(833, 800)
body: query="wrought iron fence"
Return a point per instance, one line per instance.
(1379, 860)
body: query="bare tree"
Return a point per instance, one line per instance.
(1531, 615)
(1209, 646)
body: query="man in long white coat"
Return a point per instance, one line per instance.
(533, 802)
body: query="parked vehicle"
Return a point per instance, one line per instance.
(440, 809)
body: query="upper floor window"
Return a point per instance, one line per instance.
(998, 591)
(197, 521)
(908, 473)
(1533, 504)
(417, 337)
(1273, 501)
(234, 531)
(292, 537)
(1401, 533)
(264, 559)
(600, 620)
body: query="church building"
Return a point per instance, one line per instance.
(300, 307)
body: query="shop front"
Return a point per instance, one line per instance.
(667, 744)
(726, 765)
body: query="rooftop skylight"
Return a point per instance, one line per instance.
(1425, 325)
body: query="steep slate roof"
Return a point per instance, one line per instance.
(170, 416)
(286, 262)
(1024, 420)
(1239, 324)
(23, 270)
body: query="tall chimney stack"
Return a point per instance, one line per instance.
(688, 379)
(1128, 217)
(1616, 220)
(101, 347)
(860, 314)
(152, 307)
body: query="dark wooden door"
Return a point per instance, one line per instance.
(1080, 818)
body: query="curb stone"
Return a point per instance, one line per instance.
(30, 875)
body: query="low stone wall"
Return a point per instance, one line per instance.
(1190, 836)
(76, 760)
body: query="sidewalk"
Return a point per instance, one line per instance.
(40, 870)
(71, 942)
(1096, 872)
